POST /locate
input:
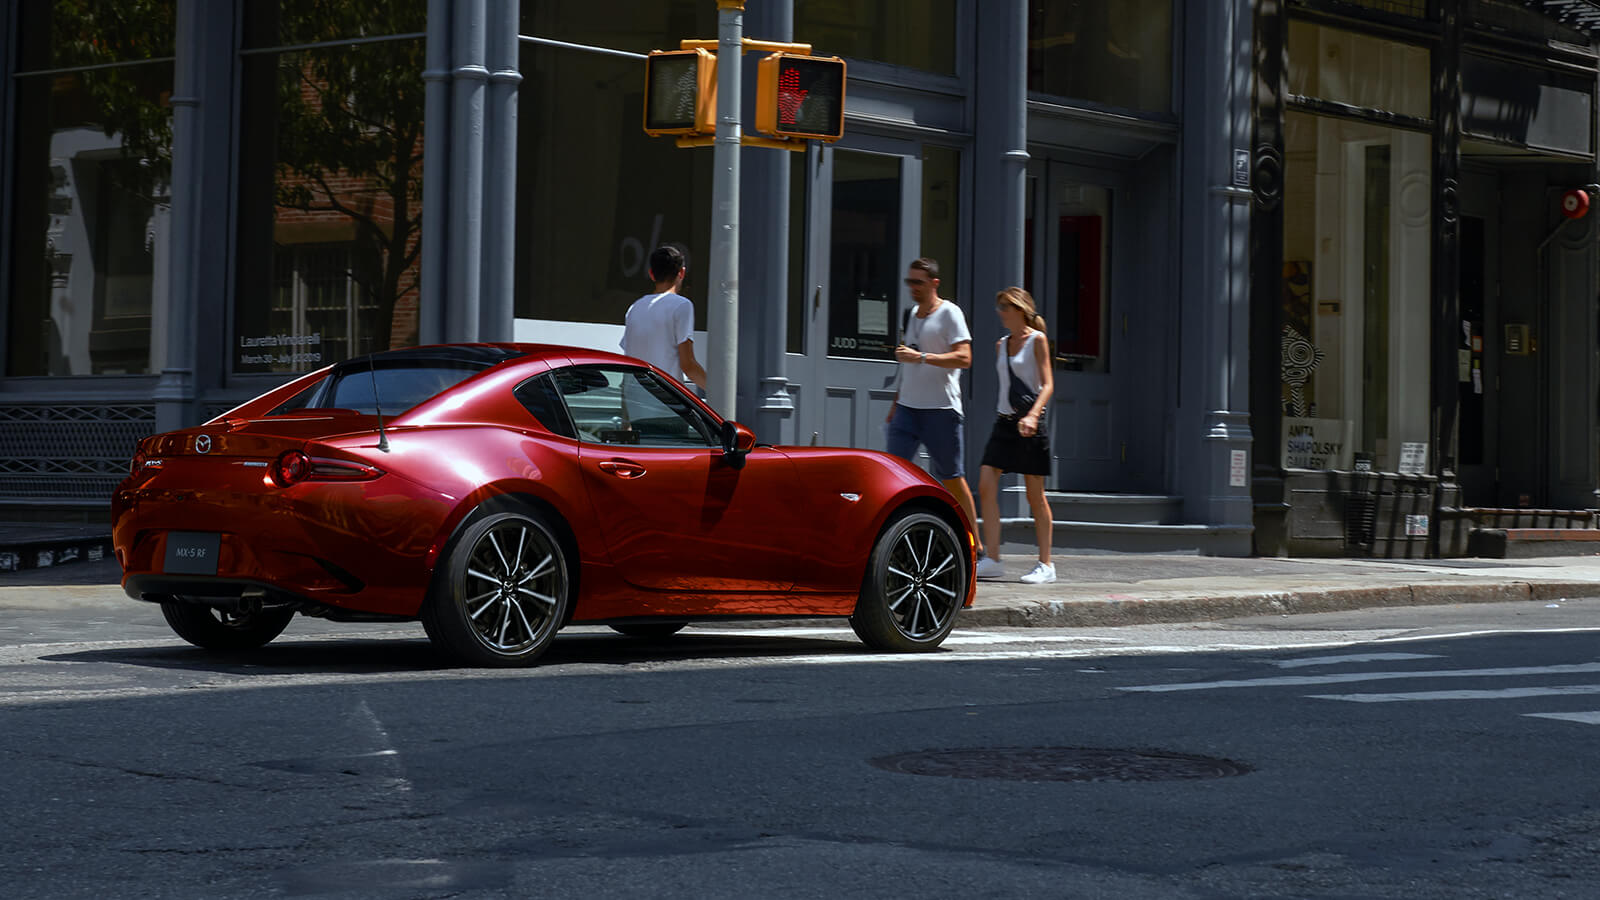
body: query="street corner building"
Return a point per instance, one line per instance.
(1319, 275)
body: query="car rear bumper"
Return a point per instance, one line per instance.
(364, 556)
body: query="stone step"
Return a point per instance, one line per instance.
(35, 545)
(1117, 537)
(1123, 509)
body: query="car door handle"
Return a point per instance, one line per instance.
(622, 468)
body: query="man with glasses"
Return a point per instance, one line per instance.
(935, 346)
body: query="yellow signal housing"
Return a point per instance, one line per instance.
(799, 96)
(680, 92)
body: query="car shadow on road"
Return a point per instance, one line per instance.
(366, 656)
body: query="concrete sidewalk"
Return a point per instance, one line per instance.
(1122, 589)
(1137, 589)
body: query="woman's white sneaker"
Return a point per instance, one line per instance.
(1043, 573)
(989, 567)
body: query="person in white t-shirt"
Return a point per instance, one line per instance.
(660, 326)
(934, 349)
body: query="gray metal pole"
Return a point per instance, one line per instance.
(435, 175)
(723, 319)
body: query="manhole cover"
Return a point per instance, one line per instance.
(1060, 764)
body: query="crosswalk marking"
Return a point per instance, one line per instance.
(1349, 658)
(1499, 694)
(1350, 677)
(1585, 718)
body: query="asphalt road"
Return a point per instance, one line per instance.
(1440, 752)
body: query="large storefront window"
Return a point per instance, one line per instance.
(93, 147)
(594, 194)
(1358, 70)
(1110, 52)
(918, 34)
(330, 204)
(1356, 278)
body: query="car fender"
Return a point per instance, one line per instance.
(851, 494)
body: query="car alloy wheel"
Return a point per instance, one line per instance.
(504, 592)
(915, 582)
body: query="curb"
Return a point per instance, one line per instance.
(1192, 607)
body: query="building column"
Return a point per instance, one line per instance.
(764, 264)
(1215, 438)
(432, 291)
(498, 312)
(999, 186)
(1266, 279)
(1447, 338)
(201, 92)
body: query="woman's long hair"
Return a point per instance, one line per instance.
(1023, 300)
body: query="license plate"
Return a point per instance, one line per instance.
(192, 552)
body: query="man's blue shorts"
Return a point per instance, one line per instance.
(939, 430)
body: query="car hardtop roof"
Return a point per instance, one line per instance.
(485, 354)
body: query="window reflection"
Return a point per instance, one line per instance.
(918, 34)
(1357, 69)
(91, 183)
(595, 195)
(1110, 52)
(331, 185)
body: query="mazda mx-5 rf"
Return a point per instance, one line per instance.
(498, 492)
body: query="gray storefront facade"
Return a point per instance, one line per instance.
(201, 199)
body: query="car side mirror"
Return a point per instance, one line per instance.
(737, 442)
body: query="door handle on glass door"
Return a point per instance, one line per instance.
(622, 468)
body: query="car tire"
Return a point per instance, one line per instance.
(916, 581)
(652, 630)
(221, 629)
(501, 594)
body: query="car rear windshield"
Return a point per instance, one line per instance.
(393, 387)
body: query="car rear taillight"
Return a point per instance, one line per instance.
(293, 467)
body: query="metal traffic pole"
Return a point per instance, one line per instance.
(723, 313)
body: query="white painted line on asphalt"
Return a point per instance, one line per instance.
(1499, 694)
(1348, 658)
(1021, 636)
(1348, 677)
(1586, 718)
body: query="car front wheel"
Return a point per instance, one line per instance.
(223, 629)
(502, 593)
(916, 580)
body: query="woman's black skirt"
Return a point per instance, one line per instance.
(1009, 451)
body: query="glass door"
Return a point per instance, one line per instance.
(1068, 266)
(864, 224)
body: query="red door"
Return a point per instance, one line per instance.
(685, 520)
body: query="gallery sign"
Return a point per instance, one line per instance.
(1311, 443)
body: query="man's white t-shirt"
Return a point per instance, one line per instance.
(924, 385)
(655, 326)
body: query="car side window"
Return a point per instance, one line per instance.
(631, 407)
(540, 397)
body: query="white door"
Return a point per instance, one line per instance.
(863, 226)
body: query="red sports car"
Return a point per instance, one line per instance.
(498, 492)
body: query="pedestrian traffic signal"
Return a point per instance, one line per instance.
(800, 96)
(680, 92)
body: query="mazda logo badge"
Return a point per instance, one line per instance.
(202, 444)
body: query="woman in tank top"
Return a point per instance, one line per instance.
(1019, 442)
